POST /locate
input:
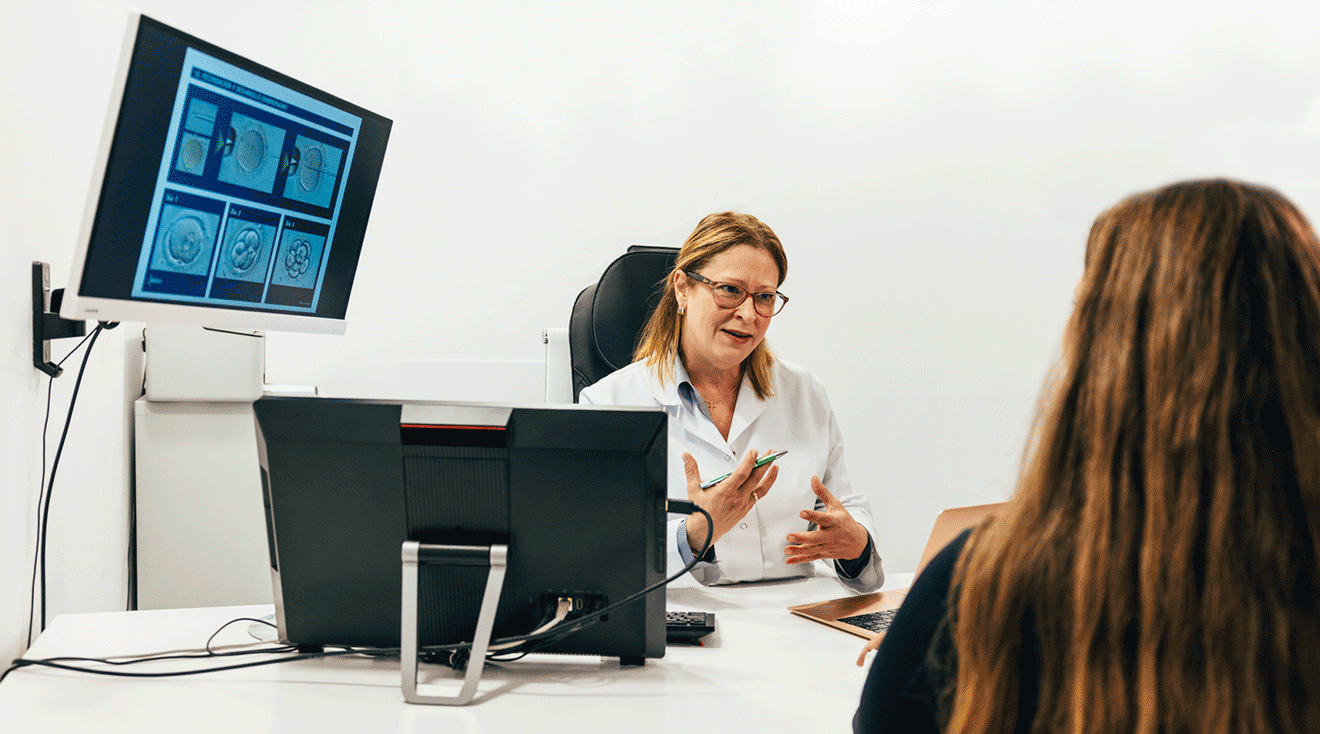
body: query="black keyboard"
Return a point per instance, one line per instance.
(688, 626)
(875, 621)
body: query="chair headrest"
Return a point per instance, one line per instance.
(608, 317)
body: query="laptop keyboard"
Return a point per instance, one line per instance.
(875, 621)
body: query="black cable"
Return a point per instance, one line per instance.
(211, 639)
(133, 660)
(47, 663)
(573, 625)
(41, 492)
(130, 561)
(61, 661)
(54, 467)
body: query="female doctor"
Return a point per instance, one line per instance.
(703, 359)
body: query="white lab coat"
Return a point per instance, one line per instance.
(798, 417)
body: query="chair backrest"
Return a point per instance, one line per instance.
(608, 316)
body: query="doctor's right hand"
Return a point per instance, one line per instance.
(727, 502)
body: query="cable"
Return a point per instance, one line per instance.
(54, 467)
(211, 639)
(49, 663)
(41, 493)
(259, 648)
(577, 623)
(561, 613)
(131, 556)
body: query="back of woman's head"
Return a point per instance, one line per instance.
(1162, 546)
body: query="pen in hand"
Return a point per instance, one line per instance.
(759, 463)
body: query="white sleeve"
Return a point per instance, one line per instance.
(872, 575)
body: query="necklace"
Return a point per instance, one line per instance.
(710, 404)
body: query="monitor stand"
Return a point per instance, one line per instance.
(416, 554)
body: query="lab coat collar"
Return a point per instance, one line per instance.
(745, 413)
(666, 392)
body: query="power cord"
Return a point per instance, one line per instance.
(559, 632)
(565, 604)
(288, 653)
(43, 495)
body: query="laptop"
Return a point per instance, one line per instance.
(868, 615)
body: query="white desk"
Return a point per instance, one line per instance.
(762, 670)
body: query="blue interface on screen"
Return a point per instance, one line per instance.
(248, 192)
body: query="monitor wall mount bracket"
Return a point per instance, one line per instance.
(46, 321)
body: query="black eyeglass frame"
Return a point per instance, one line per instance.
(714, 284)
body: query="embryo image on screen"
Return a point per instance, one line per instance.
(195, 141)
(245, 250)
(252, 153)
(313, 172)
(248, 193)
(300, 259)
(184, 245)
(185, 240)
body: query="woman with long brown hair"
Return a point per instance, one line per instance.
(1157, 569)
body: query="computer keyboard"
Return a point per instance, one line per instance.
(875, 621)
(688, 626)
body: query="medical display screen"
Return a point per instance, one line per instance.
(227, 188)
(246, 201)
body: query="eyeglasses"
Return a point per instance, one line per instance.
(728, 295)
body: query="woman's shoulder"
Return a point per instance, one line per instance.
(794, 371)
(623, 382)
(941, 565)
(791, 378)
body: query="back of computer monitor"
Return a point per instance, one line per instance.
(576, 493)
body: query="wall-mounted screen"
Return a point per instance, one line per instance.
(227, 195)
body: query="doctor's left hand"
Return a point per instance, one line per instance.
(837, 534)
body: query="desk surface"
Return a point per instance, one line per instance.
(762, 668)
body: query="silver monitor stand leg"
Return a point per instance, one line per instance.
(414, 555)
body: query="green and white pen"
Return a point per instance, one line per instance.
(759, 463)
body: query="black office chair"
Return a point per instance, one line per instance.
(608, 316)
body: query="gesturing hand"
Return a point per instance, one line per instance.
(837, 535)
(728, 501)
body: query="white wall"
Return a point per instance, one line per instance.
(932, 168)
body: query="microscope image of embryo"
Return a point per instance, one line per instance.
(246, 250)
(254, 159)
(184, 241)
(299, 259)
(313, 181)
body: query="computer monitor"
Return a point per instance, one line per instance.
(577, 493)
(224, 194)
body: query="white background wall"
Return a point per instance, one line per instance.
(931, 167)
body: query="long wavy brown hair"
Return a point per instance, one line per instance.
(1159, 560)
(662, 336)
